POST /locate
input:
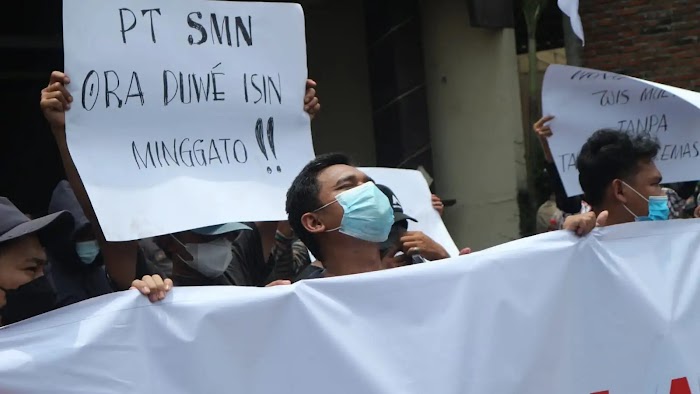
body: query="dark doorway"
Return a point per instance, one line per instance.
(30, 48)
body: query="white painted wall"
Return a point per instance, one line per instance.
(475, 115)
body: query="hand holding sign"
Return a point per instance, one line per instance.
(542, 129)
(437, 204)
(311, 103)
(543, 132)
(55, 101)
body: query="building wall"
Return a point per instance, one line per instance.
(337, 57)
(650, 39)
(475, 119)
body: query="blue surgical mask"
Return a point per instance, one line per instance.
(658, 207)
(87, 251)
(367, 213)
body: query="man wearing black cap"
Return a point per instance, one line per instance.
(407, 247)
(22, 241)
(22, 261)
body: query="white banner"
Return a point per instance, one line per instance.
(584, 100)
(413, 193)
(618, 311)
(185, 113)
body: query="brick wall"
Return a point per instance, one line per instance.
(657, 40)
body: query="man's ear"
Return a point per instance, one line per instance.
(617, 190)
(312, 223)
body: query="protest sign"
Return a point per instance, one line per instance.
(584, 100)
(412, 191)
(185, 114)
(617, 312)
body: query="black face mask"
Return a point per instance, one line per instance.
(29, 300)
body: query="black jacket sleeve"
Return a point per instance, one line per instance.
(571, 205)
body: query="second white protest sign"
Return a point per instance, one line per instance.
(186, 114)
(584, 100)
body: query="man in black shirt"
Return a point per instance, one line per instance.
(402, 248)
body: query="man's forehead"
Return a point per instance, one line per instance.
(330, 176)
(30, 249)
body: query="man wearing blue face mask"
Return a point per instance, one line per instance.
(75, 267)
(74, 272)
(340, 215)
(619, 180)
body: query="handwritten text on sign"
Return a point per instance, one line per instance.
(185, 114)
(584, 100)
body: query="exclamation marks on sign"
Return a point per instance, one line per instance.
(260, 137)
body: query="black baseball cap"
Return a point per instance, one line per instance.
(399, 215)
(14, 224)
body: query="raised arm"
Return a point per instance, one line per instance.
(119, 257)
(571, 205)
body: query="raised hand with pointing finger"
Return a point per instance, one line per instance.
(543, 131)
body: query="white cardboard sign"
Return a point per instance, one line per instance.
(584, 100)
(413, 193)
(185, 113)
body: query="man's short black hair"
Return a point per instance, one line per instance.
(303, 198)
(608, 155)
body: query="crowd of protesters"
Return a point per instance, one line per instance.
(340, 222)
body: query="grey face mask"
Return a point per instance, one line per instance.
(209, 259)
